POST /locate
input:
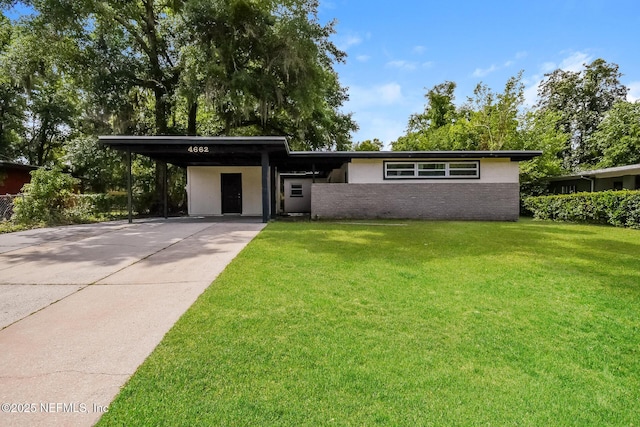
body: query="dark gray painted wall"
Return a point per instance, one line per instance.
(441, 201)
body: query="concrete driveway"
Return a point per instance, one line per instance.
(81, 307)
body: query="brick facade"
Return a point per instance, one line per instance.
(440, 201)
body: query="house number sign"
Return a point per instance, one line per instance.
(198, 149)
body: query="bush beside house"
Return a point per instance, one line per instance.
(50, 199)
(618, 208)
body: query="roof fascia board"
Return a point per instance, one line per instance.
(604, 173)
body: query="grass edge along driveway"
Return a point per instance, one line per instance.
(406, 323)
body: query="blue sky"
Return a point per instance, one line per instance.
(399, 49)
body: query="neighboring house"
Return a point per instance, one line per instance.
(13, 176)
(617, 178)
(260, 176)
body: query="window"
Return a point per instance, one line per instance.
(296, 190)
(568, 189)
(432, 170)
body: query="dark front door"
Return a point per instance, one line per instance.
(231, 193)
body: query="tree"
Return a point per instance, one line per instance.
(537, 131)
(582, 99)
(99, 169)
(267, 68)
(439, 110)
(487, 121)
(369, 145)
(618, 135)
(438, 127)
(43, 89)
(12, 101)
(47, 197)
(495, 116)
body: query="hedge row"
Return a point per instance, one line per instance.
(618, 208)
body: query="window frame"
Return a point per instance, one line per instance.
(298, 187)
(416, 169)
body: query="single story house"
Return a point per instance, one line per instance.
(13, 176)
(261, 176)
(616, 178)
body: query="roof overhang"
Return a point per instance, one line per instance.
(348, 155)
(246, 151)
(17, 166)
(199, 150)
(602, 173)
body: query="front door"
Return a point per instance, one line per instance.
(231, 193)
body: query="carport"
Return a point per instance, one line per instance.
(269, 153)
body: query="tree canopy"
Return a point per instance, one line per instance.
(581, 121)
(582, 98)
(234, 67)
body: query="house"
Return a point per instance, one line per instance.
(260, 176)
(13, 176)
(617, 178)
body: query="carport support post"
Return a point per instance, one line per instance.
(165, 192)
(273, 187)
(265, 186)
(129, 195)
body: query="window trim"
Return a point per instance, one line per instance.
(416, 169)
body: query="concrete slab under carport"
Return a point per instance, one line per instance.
(79, 343)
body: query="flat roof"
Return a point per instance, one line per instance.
(20, 166)
(602, 173)
(247, 150)
(514, 155)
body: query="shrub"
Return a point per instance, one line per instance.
(618, 208)
(46, 199)
(49, 200)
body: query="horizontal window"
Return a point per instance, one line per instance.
(296, 190)
(432, 170)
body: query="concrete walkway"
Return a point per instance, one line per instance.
(81, 307)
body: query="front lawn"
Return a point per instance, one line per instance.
(406, 323)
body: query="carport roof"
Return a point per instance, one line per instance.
(247, 150)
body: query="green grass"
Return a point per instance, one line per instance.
(12, 227)
(427, 323)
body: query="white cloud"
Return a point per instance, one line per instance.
(364, 97)
(390, 93)
(481, 72)
(575, 62)
(403, 65)
(363, 58)
(381, 126)
(548, 67)
(428, 64)
(347, 41)
(327, 5)
(531, 94)
(419, 50)
(634, 91)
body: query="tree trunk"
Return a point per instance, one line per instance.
(192, 123)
